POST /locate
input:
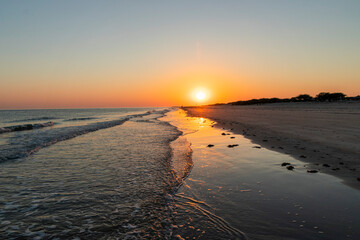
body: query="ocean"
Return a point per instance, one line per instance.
(87, 173)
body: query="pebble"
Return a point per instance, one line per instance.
(290, 168)
(233, 145)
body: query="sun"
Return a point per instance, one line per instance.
(200, 96)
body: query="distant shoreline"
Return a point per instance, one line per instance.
(324, 135)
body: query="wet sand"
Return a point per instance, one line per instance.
(243, 192)
(325, 136)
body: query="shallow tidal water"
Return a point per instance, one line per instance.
(243, 192)
(112, 183)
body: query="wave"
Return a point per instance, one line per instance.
(80, 119)
(34, 119)
(25, 127)
(25, 145)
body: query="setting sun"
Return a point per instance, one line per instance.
(200, 96)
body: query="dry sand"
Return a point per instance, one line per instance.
(326, 136)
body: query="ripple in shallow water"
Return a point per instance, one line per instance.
(116, 182)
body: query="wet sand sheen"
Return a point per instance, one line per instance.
(243, 191)
(325, 135)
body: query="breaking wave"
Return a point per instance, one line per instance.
(80, 119)
(33, 119)
(23, 145)
(25, 127)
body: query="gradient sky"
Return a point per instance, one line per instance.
(69, 54)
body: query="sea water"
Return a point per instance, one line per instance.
(91, 174)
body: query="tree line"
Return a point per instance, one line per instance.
(321, 97)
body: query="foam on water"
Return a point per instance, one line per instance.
(24, 144)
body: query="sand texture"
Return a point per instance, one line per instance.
(326, 136)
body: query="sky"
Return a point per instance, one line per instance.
(77, 54)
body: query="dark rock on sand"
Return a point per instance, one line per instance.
(290, 168)
(210, 145)
(302, 156)
(312, 171)
(232, 137)
(341, 163)
(335, 169)
(223, 134)
(257, 147)
(285, 164)
(233, 145)
(326, 165)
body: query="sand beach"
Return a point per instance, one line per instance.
(325, 136)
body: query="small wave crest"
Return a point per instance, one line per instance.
(33, 119)
(25, 127)
(25, 145)
(80, 119)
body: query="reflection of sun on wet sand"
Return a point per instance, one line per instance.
(325, 135)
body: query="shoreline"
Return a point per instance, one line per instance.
(291, 129)
(243, 192)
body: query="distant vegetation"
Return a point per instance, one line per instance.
(321, 97)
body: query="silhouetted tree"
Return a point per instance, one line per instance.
(304, 97)
(323, 96)
(326, 96)
(337, 96)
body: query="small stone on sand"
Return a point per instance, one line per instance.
(233, 145)
(290, 168)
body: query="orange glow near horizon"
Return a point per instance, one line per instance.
(175, 85)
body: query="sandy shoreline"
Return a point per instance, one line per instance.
(326, 136)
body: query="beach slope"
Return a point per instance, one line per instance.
(326, 136)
